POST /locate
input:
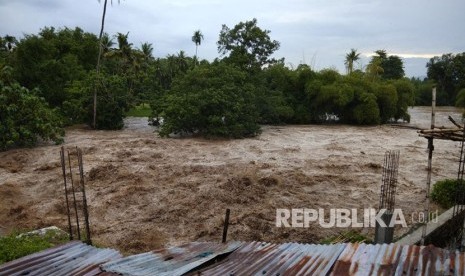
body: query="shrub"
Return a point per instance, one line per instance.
(212, 101)
(24, 117)
(112, 101)
(444, 192)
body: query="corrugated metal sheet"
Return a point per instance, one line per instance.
(251, 258)
(73, 258)
(395, 259)
(259, 258)
(171, 261)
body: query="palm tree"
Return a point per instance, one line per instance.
(100, 52)
(351, 58)
(107, 43)
(374, 68)
(381, 53)
(197, 39)
(147, 50)
(181, 61)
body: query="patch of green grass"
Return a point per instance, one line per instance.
(349, 236)
(142, 110)
(15, 246)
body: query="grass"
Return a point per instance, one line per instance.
(15, 246)
(349, 236)
(142, 110)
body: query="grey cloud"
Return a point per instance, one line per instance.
(322, 31)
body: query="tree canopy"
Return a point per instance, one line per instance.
(247, 44)
(448, 72)
(246, 86)
(213, 100)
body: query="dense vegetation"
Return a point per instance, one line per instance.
(446, 192)
(55, 71)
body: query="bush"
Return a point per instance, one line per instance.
(25, 117)
(112, 101)
(444, 192)
(212, 101)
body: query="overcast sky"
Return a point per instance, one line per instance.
(316, 32)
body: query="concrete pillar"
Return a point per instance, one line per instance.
(384, 234)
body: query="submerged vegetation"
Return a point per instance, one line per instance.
(51, 78)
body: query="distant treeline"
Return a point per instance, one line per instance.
(48, 80)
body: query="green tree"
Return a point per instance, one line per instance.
(386, 96)
(113, 98)
(406, 97)
(460, 101)
(448, 71)
(197, 38)
(247, 44)
(107, 43)
(52, 59)
(99, 58)
(351, 58)
(10, 42)
(211, 100)
(24, 116)
(392, 66)
(374, 69)
(147, 51)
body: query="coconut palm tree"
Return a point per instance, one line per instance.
(100, 52)
(147, 50)
(107, 43)
(197, 39)
(351, 58)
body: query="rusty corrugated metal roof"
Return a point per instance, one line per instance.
(395, 259)
(73, 258)
(170, 261)
(258, 258)
(339, 259)
(245, 258)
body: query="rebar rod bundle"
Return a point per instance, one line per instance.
(388, 188)
(75, 194)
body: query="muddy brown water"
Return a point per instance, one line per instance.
(145, 191)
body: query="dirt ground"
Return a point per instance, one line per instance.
(145, 192)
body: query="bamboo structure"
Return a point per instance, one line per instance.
(443, 133)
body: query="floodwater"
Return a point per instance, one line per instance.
(145, 191)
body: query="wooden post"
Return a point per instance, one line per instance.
(226, 225)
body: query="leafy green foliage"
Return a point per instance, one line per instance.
(349, 236)
(385, 67)
(25, 117)
(448, 71)
(249, 46)
(15, 246)
(142, 110)
(260, 90)
(112, 100)
(211, 100)
(460, 101)
(52, 59)
(387, 99)
(444, 192)
(405, 98)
